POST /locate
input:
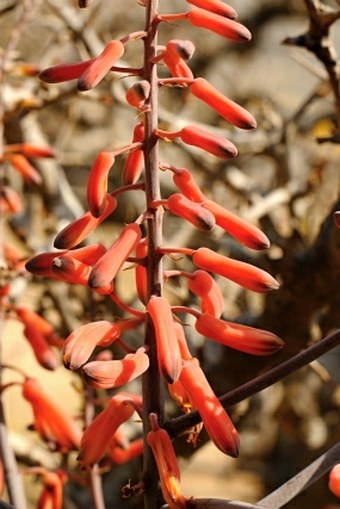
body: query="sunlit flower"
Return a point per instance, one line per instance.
(80, 344)
(242, 273)
(167, 466)
(216, 421)
(219, 24)
(185, 182)
(203, 284)
(215, 6)
(240, 337)
(114, 373)
(134, 162)
(97, 183)
(138, 94)
(43, 351)
(181, 206)
(212, 143)
(168, 352)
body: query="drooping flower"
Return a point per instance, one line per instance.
(203, 284)
(43, 351)
(97, 183)
(98, 435)
(240, 337)
(53, 424)
(77, 231)
(185, 182)
(80, 344)
(120, 455)
(239, 228)
(101, 65)
(168, 351)
(242, 273)
(215, 6)
(114, 373)
(221, 25)
(134, 162)
(181, 206)
(167, 466)
(108, 266)
(228, 109)
(26, 169)
(216, 421)
(51, 496)
(174, 56)
(28, 150)
(212, 143)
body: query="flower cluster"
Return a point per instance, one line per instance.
(165, 352)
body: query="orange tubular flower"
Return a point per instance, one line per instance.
(77, 231)
(138, 93)
(212, 143)
(110, 374)
(219, 24)
(216, 421)
(215, 6)
(203, 284)
(239, 228)
(168, 351)
(174, 57)
(24, 167)
(166, 461)
(135, 160)
(52, 495)
(51, 421)
(185, 182)
(97, 437)
(10, 200)
(242, 273)
(65, 72)
(80, 344)
(108, 266)
(76, 272)
(228, 109)
(28, 150)
(31, 319)
(120, 455)
(240, 337)
(334, 480)
(97, 183)
(181, 206)
(43, 352)
(101, 65)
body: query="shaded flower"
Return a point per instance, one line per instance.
(167, 466)
(98, 435)
(168, 352)
(219, 24)
(80, 344)
(216, 421)
(241, 337)
(228, 109)
(239, 228)
(53, 424)
(242, 273)
(108, 266)
(212, 143)
(120, 455)
(114, 373)
(43, 352)
(181, 206)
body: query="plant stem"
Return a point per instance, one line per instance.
(152, 389)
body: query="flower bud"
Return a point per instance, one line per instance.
(135, 159)
(138, 93)
(215, 6)
(25, 168)
(242, 273)
(97, 183)
(212, 143)
(181, 206)
(185, 182)
(101, 65)
(228, 109)
(203, 284)
(228, 28)
(240, 337)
